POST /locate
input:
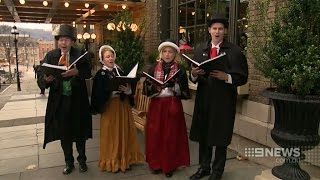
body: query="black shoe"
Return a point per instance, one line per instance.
(157, 171)
(68, 169)
(83, 167)
(215, 176)
(200, 174)
(169, 174)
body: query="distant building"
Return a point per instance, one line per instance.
(45, 47)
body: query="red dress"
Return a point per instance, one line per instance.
(167, 146)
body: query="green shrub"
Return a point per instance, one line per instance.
(290, 56)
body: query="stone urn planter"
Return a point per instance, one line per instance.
(296, 126)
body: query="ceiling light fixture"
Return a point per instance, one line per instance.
(105, 6)
(45, 3)
(86, 5)
(66, 4)
(22, 1)
(124, 6)
(111, 26)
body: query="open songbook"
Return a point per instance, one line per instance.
(210, 64)
(158, 81)
(131, 79)
(56, 70)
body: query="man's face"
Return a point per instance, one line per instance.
(217, 32)
(65, 43)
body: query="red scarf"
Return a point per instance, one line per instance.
(159, 73)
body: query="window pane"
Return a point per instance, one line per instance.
(201, 12)
(212, 8)
(224, 6)
(182, 15)
(200, 35)
(243, 24)
(191, 11)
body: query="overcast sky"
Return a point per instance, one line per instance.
(46, 27)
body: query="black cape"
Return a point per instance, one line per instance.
(102, 91)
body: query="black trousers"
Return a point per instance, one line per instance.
(66, 145)
(205, 156)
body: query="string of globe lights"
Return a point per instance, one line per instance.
(121, 26)
(67, 4)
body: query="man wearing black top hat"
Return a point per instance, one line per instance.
(68, 117)
(215, 103)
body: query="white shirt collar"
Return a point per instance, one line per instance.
(62, 53)
(216, 46)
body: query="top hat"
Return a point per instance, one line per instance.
(66, 30)
(218, 18)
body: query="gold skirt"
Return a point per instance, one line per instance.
(119, 146)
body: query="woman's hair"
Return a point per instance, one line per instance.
(177, 58)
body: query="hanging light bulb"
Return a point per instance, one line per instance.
(93, 36)
(66, 4)
(105, 6)
(86, 5)
(134, 27)
(45, 3)
(124, 6)
(111, 26)
(22, 1)
(86, 35)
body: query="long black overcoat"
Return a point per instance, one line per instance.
(215, 102)
(72, 121)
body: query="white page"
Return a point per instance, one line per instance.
(133, 72)
(54, 66)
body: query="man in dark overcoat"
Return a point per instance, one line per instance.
(215, 103)
(68, 117)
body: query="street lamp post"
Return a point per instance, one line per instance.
(87, 39)
(15, 32)
(9, 61)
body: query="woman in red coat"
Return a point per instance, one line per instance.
(166, 133)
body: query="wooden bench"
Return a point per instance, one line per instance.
(141, 107)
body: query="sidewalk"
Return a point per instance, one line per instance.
(22, 157)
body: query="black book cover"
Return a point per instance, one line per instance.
(53, 71)
(209, 65)
(117, 81)
(56, 70)
(158, 81)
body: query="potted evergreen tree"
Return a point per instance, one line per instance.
(128, 43)
(290, 58)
